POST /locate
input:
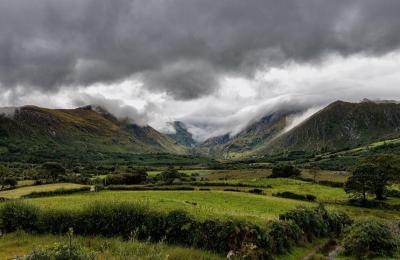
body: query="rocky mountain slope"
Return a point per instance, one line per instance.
(182, 136)
(255, 135)
(339, 126)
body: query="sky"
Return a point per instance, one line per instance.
(216, 65)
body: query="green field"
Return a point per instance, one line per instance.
(209, 204)
(19, 192)
(203, 204)
(214, 203)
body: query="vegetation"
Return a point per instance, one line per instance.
(52, 170)
(284, 171)
(176, 227)
(373, 177)
(21, 244)
(369, 238)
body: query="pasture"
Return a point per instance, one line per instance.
(219, 195)
(25, 190)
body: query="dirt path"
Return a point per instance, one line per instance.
(331, 254)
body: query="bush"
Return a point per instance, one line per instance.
(38, 194)
(177, 227)
(256, 191)
(369, 238)
(12, 182)
(317, 222)
(393, 193)
(144, 188)
(284, 171)
(232, 190)
(291, 195)
(284, 235)
(170, 175)
(16, 215)
(68, 251)
(126, 178)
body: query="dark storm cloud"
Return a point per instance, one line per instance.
(181, 47)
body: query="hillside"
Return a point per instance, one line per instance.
(34, 131)
(341, 125)
(182, 136)
(252, 137)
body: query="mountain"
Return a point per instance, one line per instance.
(182, 136)
(34, 130)
(340, 125)
(255, 135)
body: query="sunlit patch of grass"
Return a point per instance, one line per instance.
(19, 192)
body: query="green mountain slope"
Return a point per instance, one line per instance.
(340, 125)
(33, 130)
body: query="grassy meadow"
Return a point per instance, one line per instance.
(222, 195)
(25, 190)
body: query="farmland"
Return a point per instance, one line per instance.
(220, 195)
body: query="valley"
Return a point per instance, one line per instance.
(62, 167)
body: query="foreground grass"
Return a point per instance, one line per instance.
(20, 244)
(19, 192)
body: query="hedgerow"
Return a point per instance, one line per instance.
(176, 227)
(292, 195)
(62, 191)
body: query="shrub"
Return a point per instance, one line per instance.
(170, 175)
(393, 193)
(369, 238)
(284, 171)
(126, 178)
(232, 190)
(179, 226)
(62, 252)
(129, 220)
(68, 251)
(284, 235)
(17, 215)
(256, 191)
(291, 195)
(317, 222)
(62, 191)
(12, 182)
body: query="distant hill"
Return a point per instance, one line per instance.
(34, 130)
(340, 125)
(182, 136)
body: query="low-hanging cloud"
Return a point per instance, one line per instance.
(181, 47)
(116, 107)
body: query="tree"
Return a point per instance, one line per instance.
(387, 172)
(170, 174)
(4, 171)
(12, 182)
(284, 171)
(314, 173)
(361, 181)
(373, 175)
(52, 170)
